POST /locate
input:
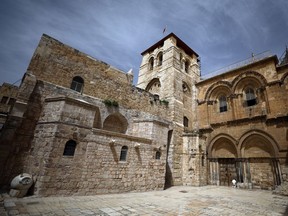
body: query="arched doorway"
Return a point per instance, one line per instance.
(259, 152)
(222, 160)
(252, 160)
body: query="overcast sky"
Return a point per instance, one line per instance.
(117, 31)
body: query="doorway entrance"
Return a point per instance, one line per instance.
(227, 171)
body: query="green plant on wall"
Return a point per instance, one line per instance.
(115, 103)
(165, 102)
(110, 103)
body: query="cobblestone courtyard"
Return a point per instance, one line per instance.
(208, 200)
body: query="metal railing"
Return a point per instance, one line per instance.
(252, 59)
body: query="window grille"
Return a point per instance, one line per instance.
(77, 84)
(123, 154)
(222, 104)
(250, 97)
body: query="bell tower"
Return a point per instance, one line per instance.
(170, 69)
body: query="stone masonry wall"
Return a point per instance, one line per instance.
(95, 167)
(248, 127)
(100, 79)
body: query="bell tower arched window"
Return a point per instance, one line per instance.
(160, 59)
(151, 63)
(250, 97)
(187, 64)
(181, 63)
(77, 84)
(222, 103)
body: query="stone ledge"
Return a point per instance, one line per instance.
(129, 137)
(166, 124)
(71, 100)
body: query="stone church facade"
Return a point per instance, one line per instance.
(80, 127)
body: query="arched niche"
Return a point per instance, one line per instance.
(154, 86)
(116, 123)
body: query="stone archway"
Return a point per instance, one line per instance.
(259, 152)
(222, 154)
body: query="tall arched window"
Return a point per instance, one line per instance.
(185, 121)
(222, 103)
(77, 84)
(250, 97)
(160, 59)
(69, 149)
(123, 154)
(181, 63)
(187, 64)
(151, 63)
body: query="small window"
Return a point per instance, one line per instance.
(185, 121)
(222, 104)
(123, 154)
(250, 97)
(158, 155)
(12, 101)
(151, 63)
(69, 149)
(203, 160)
(4, 100)
(160, 58)
(77, 84)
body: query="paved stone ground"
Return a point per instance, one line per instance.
(208, 201)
